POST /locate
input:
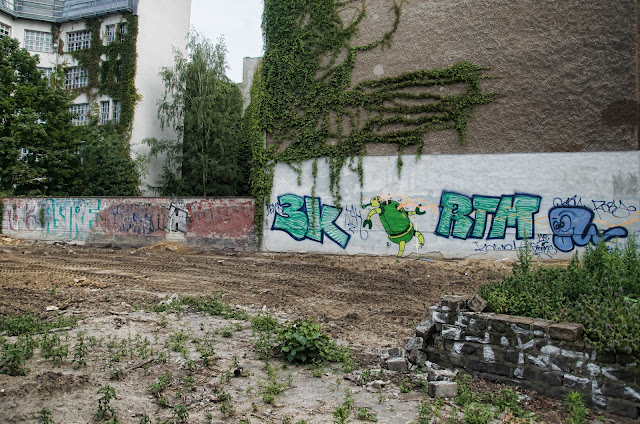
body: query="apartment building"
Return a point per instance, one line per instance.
(110, 53)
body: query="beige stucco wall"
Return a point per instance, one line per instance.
(566, 70)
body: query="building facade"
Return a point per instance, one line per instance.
(109, 54)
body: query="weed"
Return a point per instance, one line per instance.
(181, 412)
(177, 342)
(14, 356)
(405, 386)
(227, 409)
(477, 413)
(80, 351)
(161, 383)
(163, 322)
(365, 415)
(16, 325)
(304, 341)
(162, 358)
(381, 398)
(465, 395)
(317, 370)
(343, 411)
(52, 348)
(227, 332)
(116, 374)
(578, 412)
(424, 412)
(265, 329)
(44, 416)
(105, 410)
(145, 419)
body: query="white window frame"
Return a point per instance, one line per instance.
(123, 31)
(5, 30)
(46, 72)
(78, 40)
(110, 35)
(116, 111)
(104, 112)
(76, 77)
(80, 113)
(38, 41)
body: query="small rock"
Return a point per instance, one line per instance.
(396, 352)
(443, 389)
(397, 364)
(476, 303)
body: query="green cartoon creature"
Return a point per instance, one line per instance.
(395, 221)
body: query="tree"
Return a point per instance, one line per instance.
(108, 169)
(204, 108)
(38, 146)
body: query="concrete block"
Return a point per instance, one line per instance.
(413, 342)
(451, 332)
(476, 303)
(453, 302)
(624, 408)
(417, 357)
(397, 364)
(443, 389)
(397, 352)
(426, 329)
(567, 331)
(441, 375)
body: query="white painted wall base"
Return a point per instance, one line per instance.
(485, 205)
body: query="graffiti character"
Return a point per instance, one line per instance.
(395, 221)
(573, 226)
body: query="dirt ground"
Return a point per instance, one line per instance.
(371, 303)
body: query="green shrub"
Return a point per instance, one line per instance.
(304, 341)
(602, 291)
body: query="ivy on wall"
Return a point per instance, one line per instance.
(307, 106)
(115, 75)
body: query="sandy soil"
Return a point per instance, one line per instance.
(371, 303)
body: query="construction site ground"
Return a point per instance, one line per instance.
(368, 303)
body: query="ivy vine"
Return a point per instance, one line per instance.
(115, 75)
(309, 108)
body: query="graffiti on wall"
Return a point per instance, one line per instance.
(55, 219)
(573, 226)
(178, 217)
(395, 220)
(571, 222)
(508, 211)
(307, 218)
(143, 219)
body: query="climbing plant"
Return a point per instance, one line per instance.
(115, 75)
(309, 107)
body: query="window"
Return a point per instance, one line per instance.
(46, 72)
(123, 31)
(116, 111)
(78, 40)
(80, 114)
(104, 112)
(111, 34)
(75, 77)
(38, 41)
(5, 30)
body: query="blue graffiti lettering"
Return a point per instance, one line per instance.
(573, 226)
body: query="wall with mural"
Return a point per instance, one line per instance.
(459, 205)
(225, 223)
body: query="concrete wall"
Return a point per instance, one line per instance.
(566, 71)
(484, 205)
(225, 223)
(163, 25)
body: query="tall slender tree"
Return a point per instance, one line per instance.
(204, 107)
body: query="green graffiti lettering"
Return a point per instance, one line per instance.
(328, 224)
(515, 212)
(454, 215)
(293, 221)
(483, 205)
